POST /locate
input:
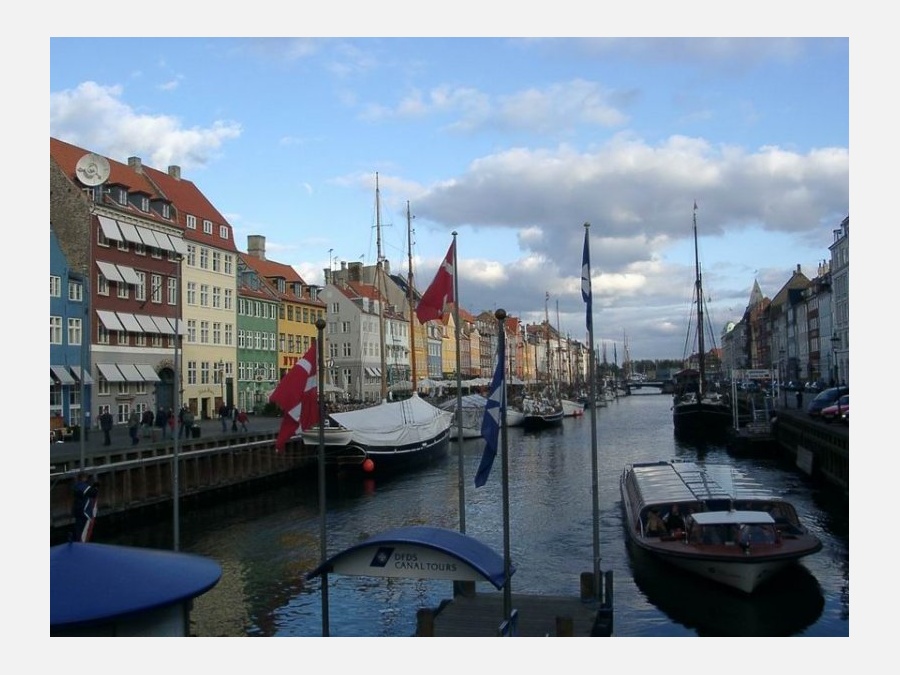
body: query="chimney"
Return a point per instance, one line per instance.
(134, 163)
(256, 246)
(175, 171)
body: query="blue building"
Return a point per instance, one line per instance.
(68, 346)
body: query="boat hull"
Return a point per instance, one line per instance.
(701, 419)
(390, 459)
(537, 421)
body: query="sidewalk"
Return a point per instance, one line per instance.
(120, 440)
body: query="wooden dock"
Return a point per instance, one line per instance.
(471, 614)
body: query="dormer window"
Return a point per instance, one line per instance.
(191, 222)
(223, 232)
(207, 227)
(123, 197)
(166, 211)
(145, 204)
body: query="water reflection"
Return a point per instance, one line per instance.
(786, 605)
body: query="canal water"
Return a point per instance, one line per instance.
(266, 543)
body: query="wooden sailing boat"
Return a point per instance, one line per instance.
(698, 411)
(394, 435)
(543, 408)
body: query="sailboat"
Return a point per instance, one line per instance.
(543, 408)
(394, 435)
(698, 411)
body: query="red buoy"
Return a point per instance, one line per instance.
(368, 465)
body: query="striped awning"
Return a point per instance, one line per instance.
(147, 372)
(147, 323)
(62, 374)
(110, 372)
(109, 320)
(131, 324)
(130, 372)
(129, 232)
(76, 371)
(110, 271)
(110, 229)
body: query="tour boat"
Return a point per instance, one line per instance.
(733, 530)
(473, 406)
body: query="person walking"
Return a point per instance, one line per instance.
(223, 416)
(160, 422)
(147, 423)
(106, 424)
(234, 416)
(188, 418)
(134, 423)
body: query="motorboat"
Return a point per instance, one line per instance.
(333, 436)
(730, 529)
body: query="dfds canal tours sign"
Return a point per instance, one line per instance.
(419, 553)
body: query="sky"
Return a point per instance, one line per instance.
(512, 143)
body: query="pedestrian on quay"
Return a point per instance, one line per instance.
(188, 419)
(134, 423)
(161, 422)
(106, 424)
(234, 416)
(242, 418)
(223, 416)
(147, 423)
(170, 421)
(799, 399)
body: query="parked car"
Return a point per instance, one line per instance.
(839, 410)
(824, 399)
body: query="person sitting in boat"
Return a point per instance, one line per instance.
(655, 524)
(674, 521)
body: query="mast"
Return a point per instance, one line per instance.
(409, 293)
(559, 360)
(547, 339)
(378, 284)
(701, 356)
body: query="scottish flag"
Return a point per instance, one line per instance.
(586, 281)
(490, 424)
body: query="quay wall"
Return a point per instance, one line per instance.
(140, 479)
(821, 450)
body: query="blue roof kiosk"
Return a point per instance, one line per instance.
(121, 591)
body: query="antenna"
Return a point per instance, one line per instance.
(92, 169)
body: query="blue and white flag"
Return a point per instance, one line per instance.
(490, 424)
(586, 281)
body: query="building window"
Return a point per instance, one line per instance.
(229, 334)
(204, 332)
(140, 339)
(55, 287)
(192, 330)
(101, 238)
(102, 386)
(74, 331)
(191, 222)
(207, 227)
(145, 204)
(216, 297)
(123, 197)
(192, 292)
(140, 289)
(156, 252)
(204, 258)
(55, 330)
(223, 232)
(204, 372)
(102, 335)
(140, 249)
(216, 261)
(122, 290)
(173, 291)
(122, 245)
(204, 295)
(191, 255)
(192, 372)
(241, 338)
(76, 291)
(229, 264)
(229, 298)
(217, 332)
(156, 288)
(166, 211)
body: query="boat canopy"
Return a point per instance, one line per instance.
(733, 518)
(677, 481)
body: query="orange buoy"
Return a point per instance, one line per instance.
(368, 465)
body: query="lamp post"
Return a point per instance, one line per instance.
(835, 343)
(781, 375)
(176, 406)
(221, 365)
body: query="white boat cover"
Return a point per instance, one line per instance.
(395, 423)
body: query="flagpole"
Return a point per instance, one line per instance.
(323, 541)
(461, 472)
(595, 488)
(500, 314)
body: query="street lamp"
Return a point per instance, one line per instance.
(221, 365)
(781, 375)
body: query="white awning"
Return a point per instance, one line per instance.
(129, 275)
(110, 372)
(76, 371)
(110, 271)
(147, 236)
(147, 323)
(63, 375)
(110, 229)
(147, 372)
(370, 372)
(131, 324)
(129, 232)
(109, 320)
(130, 372)
(163, 325)
(164, 243)
(178, 244)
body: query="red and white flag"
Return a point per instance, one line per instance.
(436, 297)
(297, 395)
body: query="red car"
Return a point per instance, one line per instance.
(840, 410)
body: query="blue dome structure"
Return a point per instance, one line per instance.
(100, 589)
